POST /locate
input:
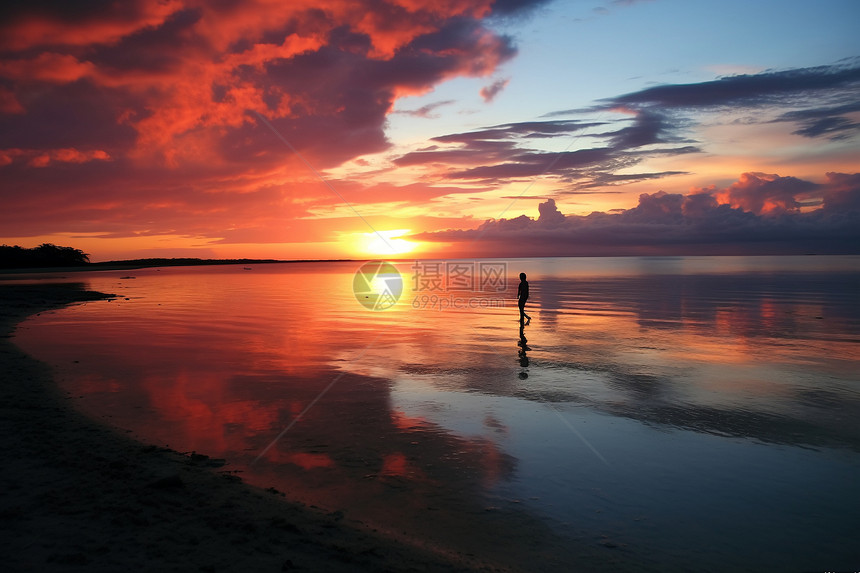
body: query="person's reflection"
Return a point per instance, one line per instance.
(524, 347)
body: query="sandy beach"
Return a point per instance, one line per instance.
(75, 495)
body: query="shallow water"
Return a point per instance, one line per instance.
(661, 414)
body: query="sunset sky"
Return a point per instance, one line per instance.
(430, 128)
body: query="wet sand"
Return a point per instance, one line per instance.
(75, 495)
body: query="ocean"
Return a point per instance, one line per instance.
(656, 414)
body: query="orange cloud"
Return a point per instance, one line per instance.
(764, 194)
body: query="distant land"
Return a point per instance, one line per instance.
(48, 258)
(131, 264)
(183, 262)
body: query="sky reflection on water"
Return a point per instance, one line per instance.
(673, 413)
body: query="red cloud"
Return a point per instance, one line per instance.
(48, 66)
(184, 77)
(168, 93)
(764, 194)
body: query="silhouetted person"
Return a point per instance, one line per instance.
(522, 297)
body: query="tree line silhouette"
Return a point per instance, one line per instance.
(45, 255)
(48, 255)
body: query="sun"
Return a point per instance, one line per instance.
(386, 243)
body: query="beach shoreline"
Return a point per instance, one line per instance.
(75, 493)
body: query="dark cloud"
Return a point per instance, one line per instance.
(158, 49)
(476, 152)
(78, 114)
(749, 89)
(757, 215)
(831, 122)
(426, 111)
(526, 129)
(822, 98)
(842, 194)
(54, 23)
(648, 128)
(506, 11)
(534, 164)
(502, 152)
(516, 7)
(602, 180)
